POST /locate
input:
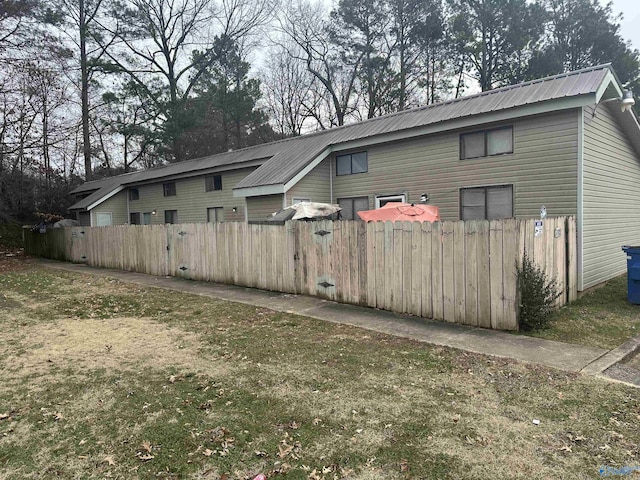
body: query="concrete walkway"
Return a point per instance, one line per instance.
(563, 356)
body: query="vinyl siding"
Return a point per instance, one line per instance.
(542, 169)
(314, 186)
(611, 213)
(191, 200)
(116, 205)
(259, 208)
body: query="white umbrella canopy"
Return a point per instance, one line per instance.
(313, 210)
(304, 210)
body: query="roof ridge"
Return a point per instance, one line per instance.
(121, 178)
(459, 99)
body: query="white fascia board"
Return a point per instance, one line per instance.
(472, 121)
(609, 80)
(314, 163)
(106, 197)
(580, 220)
(259, 191)
(476, 120)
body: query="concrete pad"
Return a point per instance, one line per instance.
(617, 355)
(563, 356)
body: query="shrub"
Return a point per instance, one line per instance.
(10, 235)
(537, 295)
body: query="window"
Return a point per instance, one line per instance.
(212, 182)
(351, 206)
(134, 218)
(146, 218)
(299, 200)
(215, 214)
(382, 200)
(486, 203)
(352, 163)
(486, 143)
(134, 194)
(170, 216)
(103, 219)
(169, 189)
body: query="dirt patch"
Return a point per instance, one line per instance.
(12, 260)
(110, 344)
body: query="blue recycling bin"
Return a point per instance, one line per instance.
(633, 273)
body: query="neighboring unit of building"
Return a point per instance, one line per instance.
(563, 142)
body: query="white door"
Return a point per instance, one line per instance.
(103, 219)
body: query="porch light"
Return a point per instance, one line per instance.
(627, 101)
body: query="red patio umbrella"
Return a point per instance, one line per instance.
(399, 211)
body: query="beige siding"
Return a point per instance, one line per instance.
(191, 200)
(611, 214)
(542, 169)
(259, 208)
(116, 205)
(314, 186)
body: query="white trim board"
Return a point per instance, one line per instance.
(472, 121)
(580, 219)
(105, 198)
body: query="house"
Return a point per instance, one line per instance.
(563, 142)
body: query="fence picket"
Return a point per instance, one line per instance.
(471, 277)
(495, 275)
(462, 272)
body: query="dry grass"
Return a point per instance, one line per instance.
(99, 375)
(601, 318)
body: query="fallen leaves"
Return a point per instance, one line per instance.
(145, 455)
(109, 460)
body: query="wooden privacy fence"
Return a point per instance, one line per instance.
(463, 272)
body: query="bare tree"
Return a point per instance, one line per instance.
(81, 26)
(287, 86)
(307, 26)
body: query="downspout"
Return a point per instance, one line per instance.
(330, 178)
(580, 222)
(128, 222)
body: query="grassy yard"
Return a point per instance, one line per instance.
(103, 379)
(602, 318)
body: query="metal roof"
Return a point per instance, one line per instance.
(286, 164)
(284, 159)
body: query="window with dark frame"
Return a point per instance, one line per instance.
(169, 189)
(170, 216)
(212, 183)
(351, 206)
(134, 218)
(486, 203)
(352, 163)
(486, 143)
(134, 194)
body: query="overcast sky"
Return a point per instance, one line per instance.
(631, 21)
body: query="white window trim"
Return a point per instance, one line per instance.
(299, 200)
(401, 197)
(105, 213)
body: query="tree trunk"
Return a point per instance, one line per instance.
(84, 74)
